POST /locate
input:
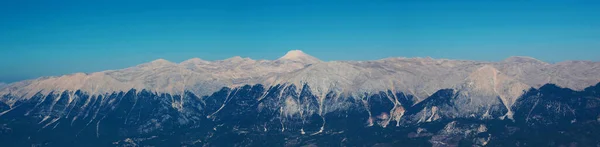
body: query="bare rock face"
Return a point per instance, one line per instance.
(488, 87)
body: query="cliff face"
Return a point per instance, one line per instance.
(254, 115)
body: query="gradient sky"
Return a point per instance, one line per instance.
(45, 38)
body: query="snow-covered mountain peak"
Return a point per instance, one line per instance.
(158, 63)
(294, 54)
(299, 56)
(161, 61)
(523, 59)
(237, 59)
(194, 62)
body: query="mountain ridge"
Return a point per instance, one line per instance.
(417, 76)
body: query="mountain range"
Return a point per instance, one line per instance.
(299, 100)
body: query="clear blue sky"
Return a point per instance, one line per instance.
(55, 37)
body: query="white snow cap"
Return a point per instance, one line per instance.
(194, 61)
(299, 56)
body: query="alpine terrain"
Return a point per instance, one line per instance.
(299, 100)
